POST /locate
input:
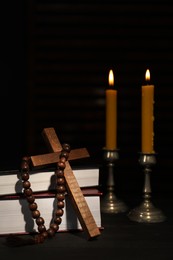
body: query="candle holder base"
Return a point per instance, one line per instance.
(146, 213)
(111, 204)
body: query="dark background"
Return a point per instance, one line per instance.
(56, 59)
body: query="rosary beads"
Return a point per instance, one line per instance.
(60, 196)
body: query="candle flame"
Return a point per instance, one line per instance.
(111, 78)
(147, 75)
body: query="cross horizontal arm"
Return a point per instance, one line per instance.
(46, 159)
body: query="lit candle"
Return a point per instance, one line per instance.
(111, 114)
(147, 116)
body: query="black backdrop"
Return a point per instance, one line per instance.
(55, 69)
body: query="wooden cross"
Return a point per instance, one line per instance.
(79, 202)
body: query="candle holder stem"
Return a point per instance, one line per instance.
(147, 184)
(146, 212)
(109, 202)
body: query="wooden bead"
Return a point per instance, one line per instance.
(64, 154)
(59, 212)
(51, 232)
(58, 220)
(28, 192)
(66, 147)
(33, 206)
(62, 159)
(25, 176)
(44, 234)
(40, 221)
(24, 166)
(26, 184)
(30, 199)
(60, 181)
(41, 228)
(61, 189)
(54, 226)
(60, 204)
(26, 158)
(59, 173)
(61, 165)
(60, 196)
(35, 213)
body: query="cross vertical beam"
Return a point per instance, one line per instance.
(79, 202)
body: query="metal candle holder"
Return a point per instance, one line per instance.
(146, 212)
(109, 202)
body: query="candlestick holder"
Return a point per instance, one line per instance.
(109, 202)
(146, 212)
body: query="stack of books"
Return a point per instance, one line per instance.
(15, 215)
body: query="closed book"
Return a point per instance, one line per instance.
(44, 179)
(16, 218)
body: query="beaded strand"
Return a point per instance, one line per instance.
(60, 196)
